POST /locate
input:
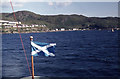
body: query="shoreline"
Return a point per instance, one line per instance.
(58, 31)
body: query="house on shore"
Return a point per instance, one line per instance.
(62, 29)
(8, 23)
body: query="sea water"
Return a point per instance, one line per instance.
(78, 54)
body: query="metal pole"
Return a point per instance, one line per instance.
(32, 63)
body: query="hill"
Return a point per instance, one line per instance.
(63, 21)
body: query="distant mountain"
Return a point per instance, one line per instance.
(63, 21)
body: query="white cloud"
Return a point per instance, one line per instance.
(56, 3)
(59, 3)
(63, 3)
(60, 0)
(50, 3)
(16, 4)
(7, 4)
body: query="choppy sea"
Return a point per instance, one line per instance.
(78, 54)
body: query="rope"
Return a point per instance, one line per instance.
(20, 38)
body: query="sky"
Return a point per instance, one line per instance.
(86, 8)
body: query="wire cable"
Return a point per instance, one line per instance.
(20, 38)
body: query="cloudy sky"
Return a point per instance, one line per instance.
(100, 8)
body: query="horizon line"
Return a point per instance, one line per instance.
(60, 14)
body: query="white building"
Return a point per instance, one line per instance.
(3, 22)
(9, 23)
(75, 29)
(62, 29)
(56, 29)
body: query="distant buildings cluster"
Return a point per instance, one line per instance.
(11, 27)
(8, 24)
(73, 29)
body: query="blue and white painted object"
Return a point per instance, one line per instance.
(46, 48)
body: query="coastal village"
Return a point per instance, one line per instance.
(11, 27)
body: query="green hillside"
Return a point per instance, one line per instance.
(63, 21)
